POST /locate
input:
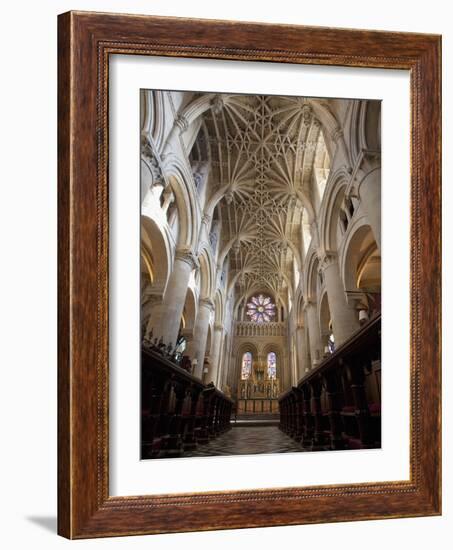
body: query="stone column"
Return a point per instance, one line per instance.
(367, 179)
(314, 333)
(216, 346)
(200, 334)
(345, 320)
(302, 352)
(166, 318)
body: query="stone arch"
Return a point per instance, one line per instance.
(156, 252)
(197, 107)
(207, 274)
(359, 240)
(179, 179)
(330, 210)
(311, 276)
(324, 317)
(364, 128)
(190, 312)
(155, 266)
(214, 200)
(229, 245)
(153, 116)
(328, 121)
(242, 347)
(236, 277)
(355, 139)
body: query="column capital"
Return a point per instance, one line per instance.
(218, 326)
(328, 259)
(186, 255)
(300, 326)
(217, 103)
(207, 303)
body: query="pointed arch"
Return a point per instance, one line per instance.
(181, 181)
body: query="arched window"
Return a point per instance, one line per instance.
(246, 369)
(271, 365)
(261, 309)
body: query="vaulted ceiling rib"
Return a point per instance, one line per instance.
(263, 148)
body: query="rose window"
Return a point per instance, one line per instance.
(261, 309)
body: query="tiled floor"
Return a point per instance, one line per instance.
(248, 440)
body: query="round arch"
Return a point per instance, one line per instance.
(156, 252)
(359, 240)
(311, 274)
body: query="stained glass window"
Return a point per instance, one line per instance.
(271, 365)
(246, 370)
(261, 309)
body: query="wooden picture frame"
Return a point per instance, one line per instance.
(85, 42)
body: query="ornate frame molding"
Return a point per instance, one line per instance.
(85, 42)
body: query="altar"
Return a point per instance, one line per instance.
(258, 392)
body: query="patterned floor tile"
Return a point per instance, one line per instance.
(247, 440)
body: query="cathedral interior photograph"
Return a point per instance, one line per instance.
(260, 265)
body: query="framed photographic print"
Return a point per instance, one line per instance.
(249, 275)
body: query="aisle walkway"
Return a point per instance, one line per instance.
(248, 440)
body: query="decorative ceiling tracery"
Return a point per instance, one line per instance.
(263, 152)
